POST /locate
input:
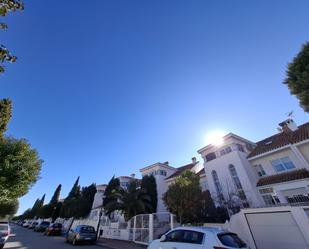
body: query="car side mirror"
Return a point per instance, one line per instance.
(163, 238)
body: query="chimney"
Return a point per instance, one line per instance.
(132, 175)
(193, 159)
(288, 125)
(166, 163)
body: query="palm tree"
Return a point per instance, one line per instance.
(130, 202)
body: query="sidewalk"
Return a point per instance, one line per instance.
(119, 244)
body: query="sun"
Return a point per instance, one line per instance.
(215, 137)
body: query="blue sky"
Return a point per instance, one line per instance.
(108, 87)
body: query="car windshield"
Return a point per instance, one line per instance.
(3, 227)
(87, 229)
(231, 240)
(57, 225)
(45, 223)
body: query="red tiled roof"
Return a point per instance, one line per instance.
(201, 172)
(181, 169)
(281, 139)
(283, 177)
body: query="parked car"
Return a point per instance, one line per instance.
(81, 234)
(54, 229)
(198, 238)
(33, 224)
(4, 232)
(42, 226)
(27, 223)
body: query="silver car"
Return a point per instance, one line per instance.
(4, 233)
(81, 234)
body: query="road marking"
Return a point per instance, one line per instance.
(14, 245)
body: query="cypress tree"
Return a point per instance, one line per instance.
(75, 191)
(55, 199)
(150, 186)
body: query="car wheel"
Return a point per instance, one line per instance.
(74, 242)
(1, 246)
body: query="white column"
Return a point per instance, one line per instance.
(134, 227)
(150, 227)
(280, 196)
(172, 220)
(299, 155)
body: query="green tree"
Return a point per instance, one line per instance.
(129, 202)
(20, 165)
(86, 199)
(5, 115)
(55, 198)
(112, 187)
(52, 209)
(19, 168)
(298, 77)
(70, 207)
(8, 208)
(184, 196)
(75, 191)
(150, 186)
(7, 6)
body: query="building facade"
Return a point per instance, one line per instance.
(281, 165)
(228, 172)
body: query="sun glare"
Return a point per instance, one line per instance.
(215, 137)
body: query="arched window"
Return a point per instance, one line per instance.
(237, 182)
(217, 185)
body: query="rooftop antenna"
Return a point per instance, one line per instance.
(290, 114)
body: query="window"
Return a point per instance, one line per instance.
(210, 156)
(282, 164)
(185, 236)
(237, 182)
(217, 184)
(225, 151)
(240, 147)
(259, 170)
(270, 200)
(174, 236)
(231, 240)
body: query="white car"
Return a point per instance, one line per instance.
(198, 238)
(4, 233)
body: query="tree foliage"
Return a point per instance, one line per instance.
(150, 186)
(20, 167)
(184, 196)
(8, 208)
(79, 202)
(112, 187)
(130, 202)
(7, 6)
(298, 77)
(5, 115)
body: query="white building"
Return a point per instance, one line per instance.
(228, 172)
(166, 174)
(281, 165)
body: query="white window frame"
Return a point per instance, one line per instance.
(282, 164)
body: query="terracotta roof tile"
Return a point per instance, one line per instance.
(201, 172)
(181, 169)
(281, 139)
(283, 177)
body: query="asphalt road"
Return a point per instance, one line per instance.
(24, 238)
